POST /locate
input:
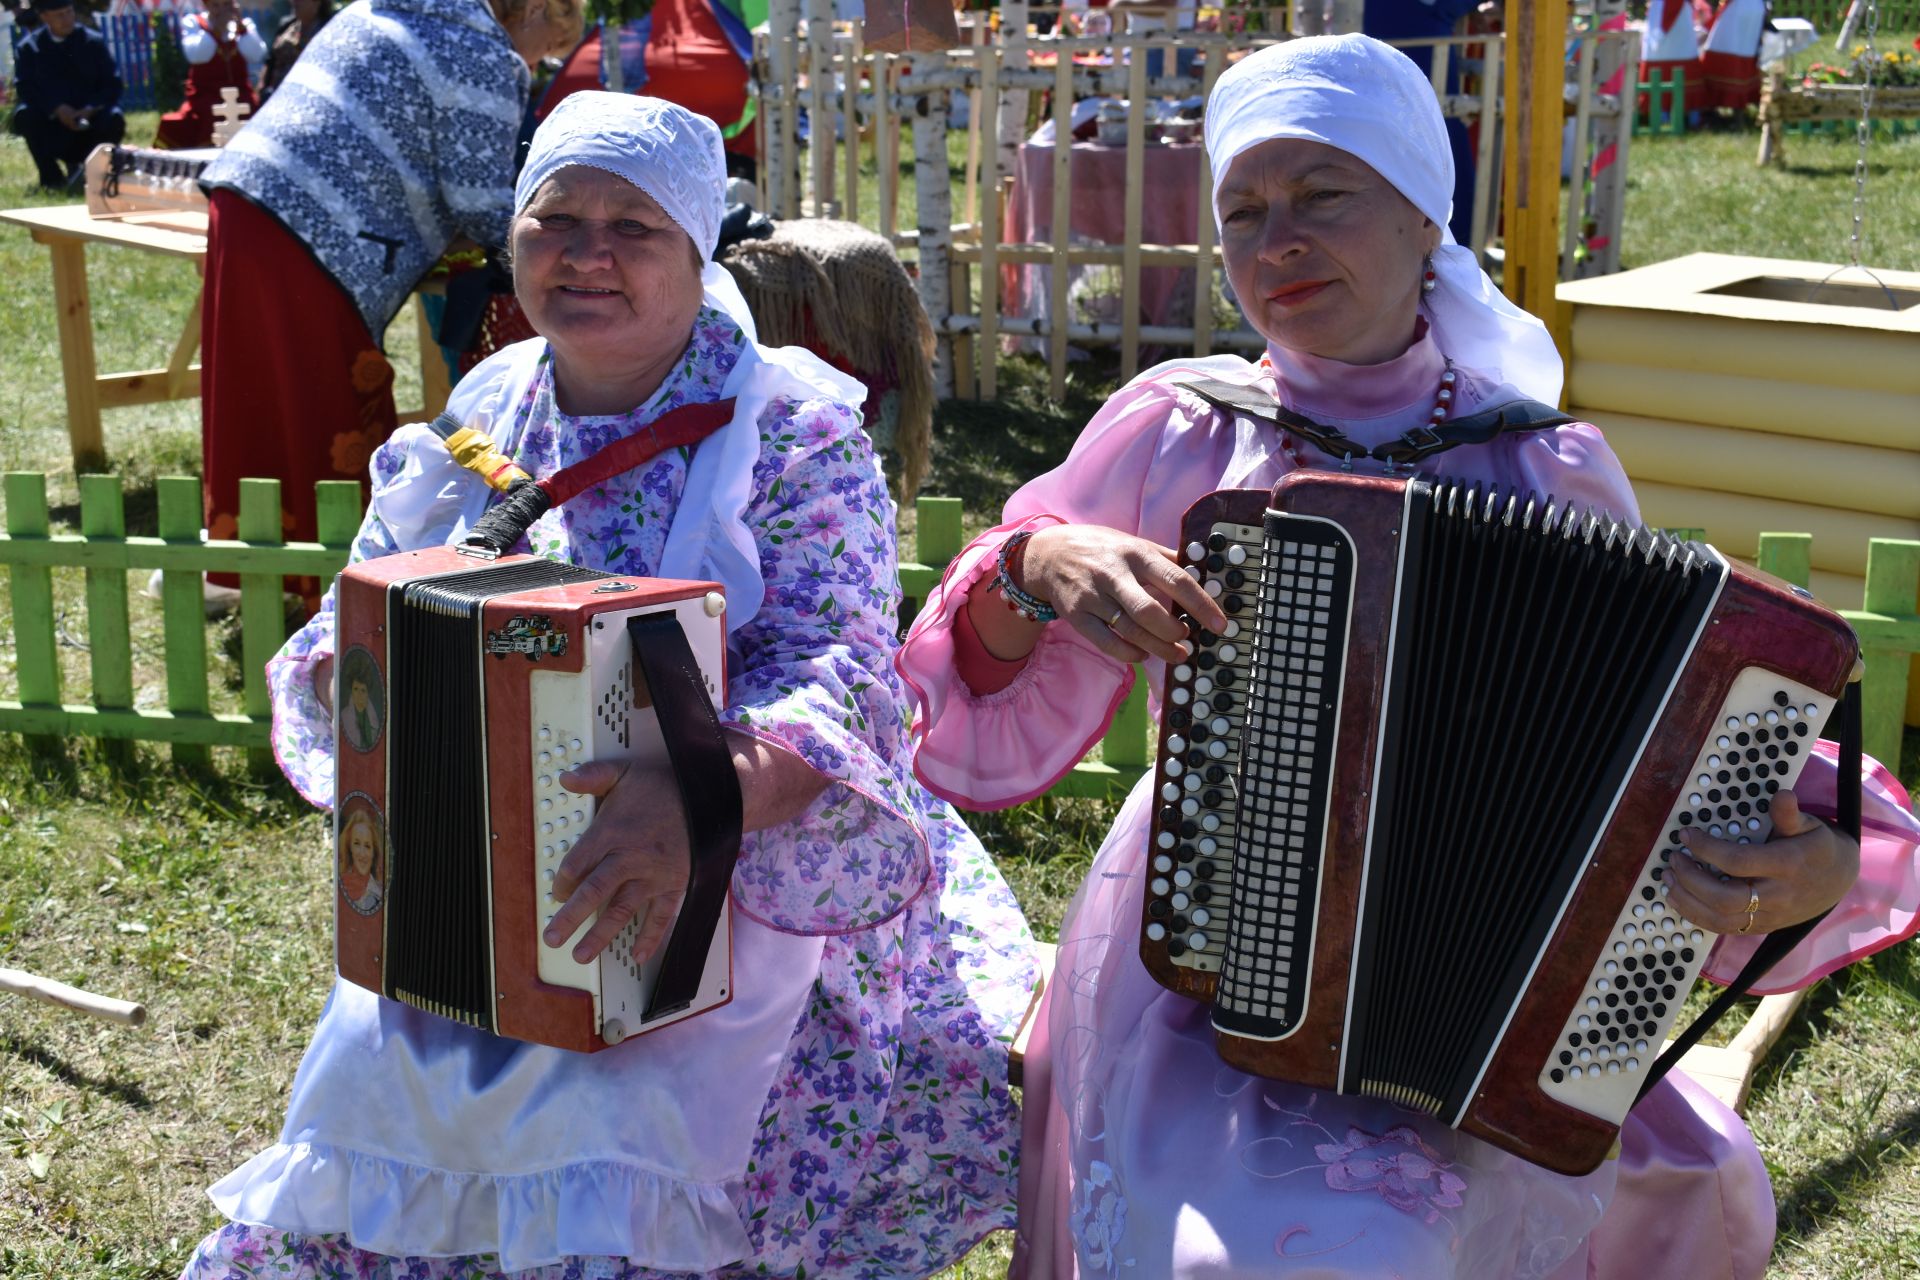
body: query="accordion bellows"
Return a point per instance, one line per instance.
(1415, 802)
(465, 686)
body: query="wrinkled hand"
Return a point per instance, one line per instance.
(1117, 590)
(634, 860)
(1805, 867)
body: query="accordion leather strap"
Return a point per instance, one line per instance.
(1775, 946)
(1420, 443)
(501, 528)
(709, 794)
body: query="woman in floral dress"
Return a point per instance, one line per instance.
(847, 1114)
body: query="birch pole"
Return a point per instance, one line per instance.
(934, 198)
(1013, 102)
(779, 106)
(821, 141)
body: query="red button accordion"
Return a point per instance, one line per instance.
(1415, 800)
(464, 687)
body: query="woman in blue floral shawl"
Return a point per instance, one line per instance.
(847, 1114)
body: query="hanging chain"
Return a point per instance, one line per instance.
(1870, 62)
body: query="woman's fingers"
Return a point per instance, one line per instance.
(1105, 638)
(1185, 591)
(1803, 870)
(663, 910)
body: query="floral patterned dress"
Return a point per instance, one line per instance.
(886, 1143)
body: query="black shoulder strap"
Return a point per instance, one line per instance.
(1774, 947)
(1414, 446)
(709, 794)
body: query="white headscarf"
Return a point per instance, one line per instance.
(667, 151)
(1369, 100)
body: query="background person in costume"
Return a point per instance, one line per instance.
(848, 1112)
(68, 93)
(1145, 1153)
(223, 51)
(296, 32)
(394, 133)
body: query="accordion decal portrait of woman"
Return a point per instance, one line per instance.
(846, 1112)
(1147, 1155)
(362, 850)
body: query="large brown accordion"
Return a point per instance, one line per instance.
(1414, 803)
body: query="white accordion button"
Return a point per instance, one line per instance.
(545, 733)
(1189, 807)
(1162, 863)
(1217, 749)
(1203, 686)
(1198, 941)
(715, 604)
(1159, 887)
(1177, 743)
(1220, 725)
(1156, 931)
(1201, 915)
(1210, 822)
(1196, 552)
(1232, 629)
(546, 804)
(1208, 846)
(1214, 587)
(574, 745)
(1183, 673)
(1228, 653)
(1171, 791)
(1182, 878)
(1180, 901)
(546, 757)
(1165, 840)
(1236, 554)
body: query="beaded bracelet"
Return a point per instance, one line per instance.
(1028, 606)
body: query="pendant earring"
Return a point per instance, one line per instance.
(1428, 280)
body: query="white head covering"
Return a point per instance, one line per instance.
(1370, 100)
(667, 151)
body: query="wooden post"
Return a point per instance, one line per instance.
(1577, 183)
(934, 198)
(937, 535)
(184, 613)
(1125, 746)
(436, 380)
(1485, 164)
(36, 653)
(886, 143)
(820, 127)
(855, 63)
(1060, 274)
(181, 382)
(1203, 225)
(73, 318)
(1136, 182)
(263, 618)
(1893, 585)
(1787, 556)
(970, 198)
(103, 515)
(987, 349)
(783, 162)
(1536, 35)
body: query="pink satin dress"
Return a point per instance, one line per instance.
(1145, 1155)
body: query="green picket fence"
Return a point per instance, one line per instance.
(1889, 625)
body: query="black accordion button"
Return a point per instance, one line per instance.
(1204, 871)
(1235, 579)
(1206, 662)
(1216, 773)
(1557, 1075)
(1203, 893)
(1225, 678)
(1217, 542)
(1168, 817)
(1743, 737)
(1176, 948)
(1189, 829)
(1184, 854)
(1800, 730)
(1222, 703)
(1780, 698)
(1158, 908)
(1211, 798)
(1566, 1060)
(1647, 892)
(1232, 604)
(1178, 924)
(1686, 955)
(1179, 719)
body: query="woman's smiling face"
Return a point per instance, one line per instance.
(602, 272)
(1323, 253)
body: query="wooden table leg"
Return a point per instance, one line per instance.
(180, 384)
(436, 381)
(74, 313)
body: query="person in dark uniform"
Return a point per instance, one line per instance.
(69, 94)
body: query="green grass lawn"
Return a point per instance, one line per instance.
(207, 897)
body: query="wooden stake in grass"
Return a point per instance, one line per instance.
(22, 983)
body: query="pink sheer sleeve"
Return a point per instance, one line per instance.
(1882, 908)
(989, 751)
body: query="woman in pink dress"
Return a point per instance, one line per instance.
(1146, 1155)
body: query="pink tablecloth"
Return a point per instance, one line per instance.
(1168, 216)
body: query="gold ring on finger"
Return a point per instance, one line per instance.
(1113, 623)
